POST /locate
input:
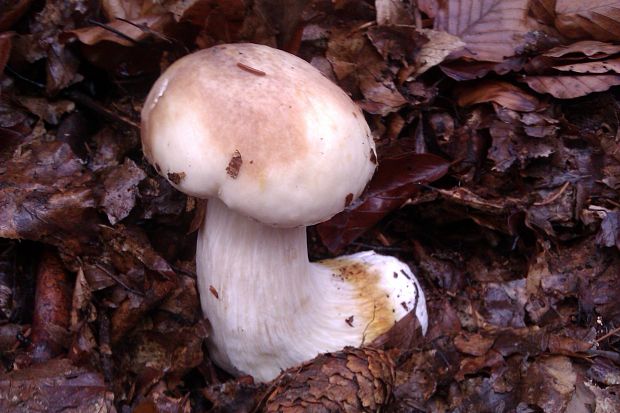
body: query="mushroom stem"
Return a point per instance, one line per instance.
(270, 308)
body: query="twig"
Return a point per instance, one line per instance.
(146, 29)
(118, 280)
(609, 334)
(12, 72)
(554, 196)
(113, 30)
(90, 103)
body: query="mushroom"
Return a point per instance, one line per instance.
(275, 147)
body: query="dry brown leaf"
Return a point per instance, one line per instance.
(569, 87)
(393, 12)
(439, 46)
(503, 93)
(120, 190)
(543, 11)
(491, 29)
(550, 383)
(130, 33)
(596, 19)
(598, 66)
(130, 9)
(428, 6)
(54, 386)
(589, 48)
(11, 11)
(5, 49)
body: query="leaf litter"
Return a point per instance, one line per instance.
(498, 144)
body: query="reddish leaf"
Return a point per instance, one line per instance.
(395, 182)
(503, 93)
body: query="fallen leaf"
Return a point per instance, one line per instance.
(570, 87)
(439, 46)
(609, 234)
(394, 12)
(122, 32)
(549, 383)
(502, 93)
(598, 66)
(11, 11)
(120, 189)
(589, 48)
(396, 180)
(491, 30)
(56, 385)
(597, 19)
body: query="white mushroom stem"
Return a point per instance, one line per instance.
(270, 308)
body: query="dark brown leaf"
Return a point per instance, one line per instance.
(597, 19)
(47, 196)
(56, 385)
(395, 181)
(502, 93)
(120, 189)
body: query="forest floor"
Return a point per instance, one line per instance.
(498, 141)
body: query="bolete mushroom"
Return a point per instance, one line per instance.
(274, 146)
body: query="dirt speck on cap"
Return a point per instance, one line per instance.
(214, 292)
(234, 165)
(348, 200)
(250, 69)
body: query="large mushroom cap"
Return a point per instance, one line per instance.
(262, 130)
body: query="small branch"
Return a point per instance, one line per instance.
(554, 196)
(113, 30)
(50, 321)
(609, 334)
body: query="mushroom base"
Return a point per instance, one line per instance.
(270, 309)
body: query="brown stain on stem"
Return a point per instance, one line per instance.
(376, 313)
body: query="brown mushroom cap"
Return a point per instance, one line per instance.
(262, 130)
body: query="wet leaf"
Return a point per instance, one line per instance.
(395, 181)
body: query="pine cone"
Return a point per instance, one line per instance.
(351, 380)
